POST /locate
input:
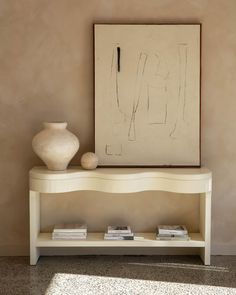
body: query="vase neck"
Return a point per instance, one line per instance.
(55, 125)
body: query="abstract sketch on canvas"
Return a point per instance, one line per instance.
(147, 95)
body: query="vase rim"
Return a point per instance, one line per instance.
(55, 125)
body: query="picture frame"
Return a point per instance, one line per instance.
(147, 94)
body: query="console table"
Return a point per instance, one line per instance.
(121, 180)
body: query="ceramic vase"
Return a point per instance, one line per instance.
(55, 145)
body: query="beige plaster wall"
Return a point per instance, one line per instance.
(46, 73)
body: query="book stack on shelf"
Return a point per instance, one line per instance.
(118, 233)
(172, 232)
(73, 231)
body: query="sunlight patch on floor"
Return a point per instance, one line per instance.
(183, 266)
(74, 284)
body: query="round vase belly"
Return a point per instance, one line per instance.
(55, 145)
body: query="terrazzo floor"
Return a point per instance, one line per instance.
(108, 275)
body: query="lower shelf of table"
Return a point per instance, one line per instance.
(141, 240)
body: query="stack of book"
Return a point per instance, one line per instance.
(73, 231)
(118, 233)
(172, 232)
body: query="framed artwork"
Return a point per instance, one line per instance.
(147, 94)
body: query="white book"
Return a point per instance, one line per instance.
(172, 229)
(172, 236)
(117, 235)
(119, 238)
(69, 238)
(187, 238)
(119, 229)
(69, 234)
(70, 227)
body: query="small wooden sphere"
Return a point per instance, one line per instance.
(89, 161)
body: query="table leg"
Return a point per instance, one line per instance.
(205, 226)
(34, 226)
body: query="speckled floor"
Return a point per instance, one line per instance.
(88, 275)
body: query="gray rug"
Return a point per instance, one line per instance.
(118, 275)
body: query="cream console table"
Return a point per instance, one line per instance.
(121, 180)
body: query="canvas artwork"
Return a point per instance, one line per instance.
(147, 95)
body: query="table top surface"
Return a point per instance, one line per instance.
(121, 173)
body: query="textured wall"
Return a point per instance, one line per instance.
(46, 73)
